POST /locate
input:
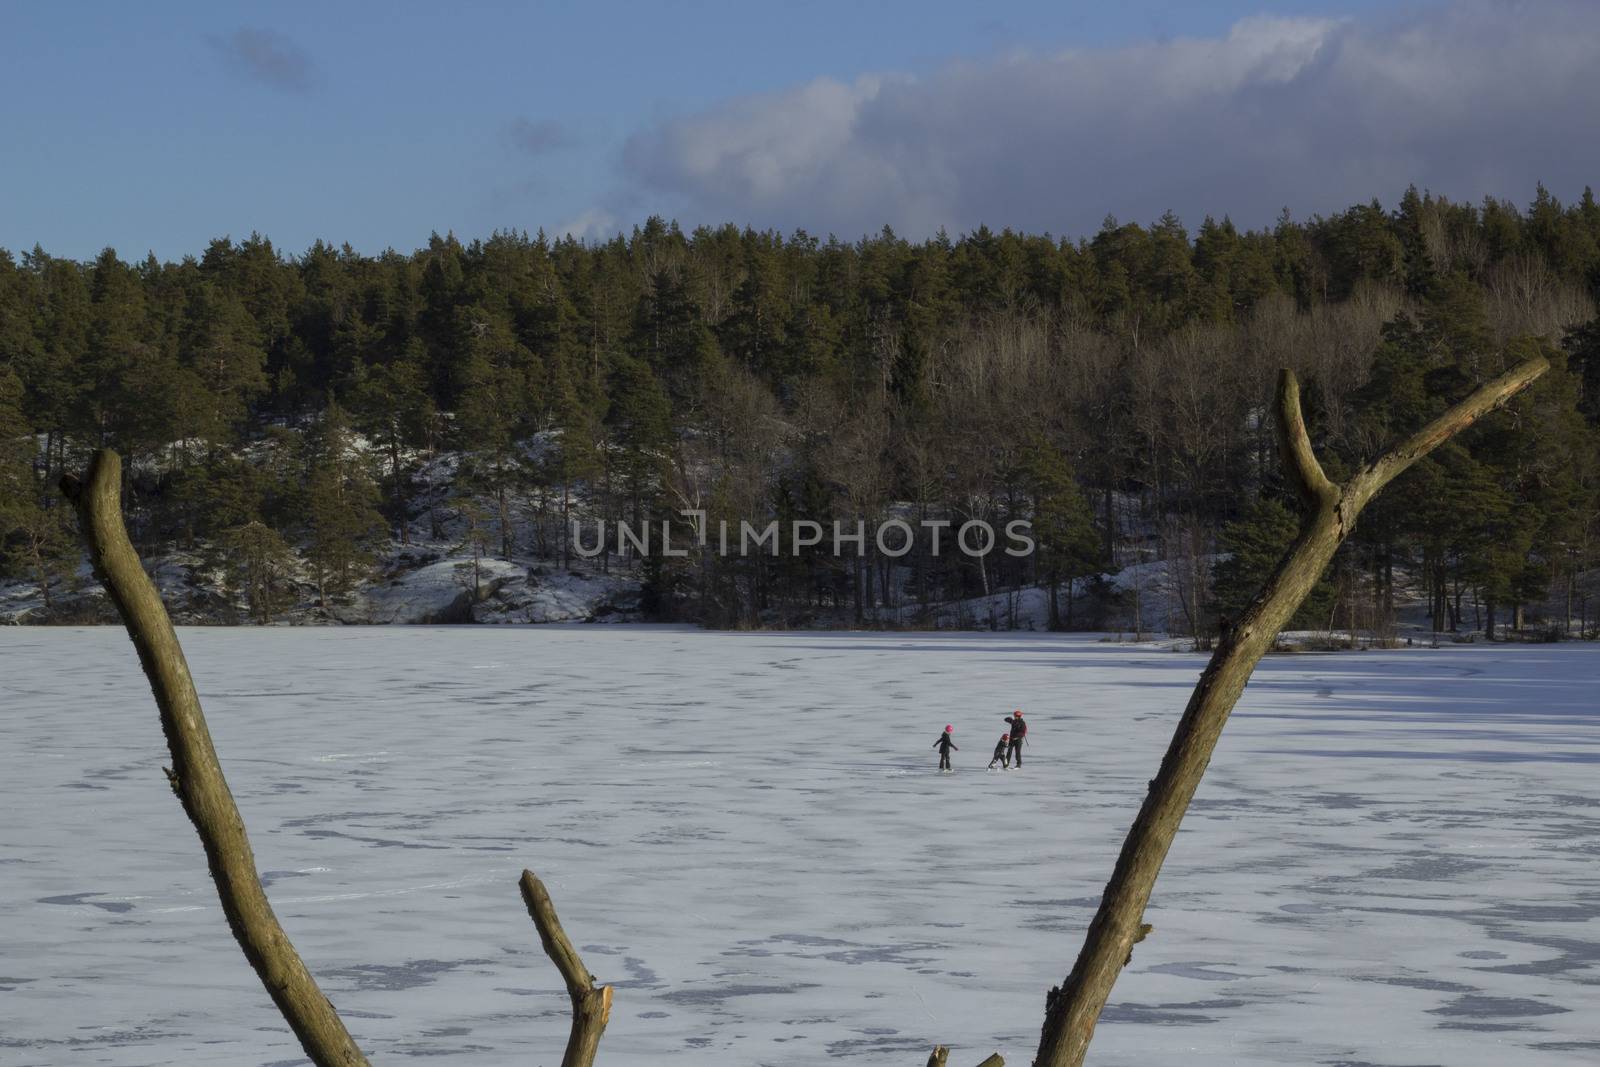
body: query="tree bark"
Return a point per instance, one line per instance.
(196, 775)
(1072, 1009)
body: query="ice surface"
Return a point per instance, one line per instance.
(1393, 859)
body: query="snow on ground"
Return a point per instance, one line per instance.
(511, 592)
(1392, 860)
(420, 587)
(1150, 591)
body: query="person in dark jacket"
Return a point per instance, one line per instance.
(1019, 732)
(944, 745)
(1001, 756)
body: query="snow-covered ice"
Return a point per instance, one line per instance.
(1395, 858)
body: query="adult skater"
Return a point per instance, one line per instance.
(944, 745)
(1019, 732)
(1000, 754)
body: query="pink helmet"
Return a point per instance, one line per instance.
(949, 729)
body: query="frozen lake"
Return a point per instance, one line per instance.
(1395, 858)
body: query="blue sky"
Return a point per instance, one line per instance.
(156, 127)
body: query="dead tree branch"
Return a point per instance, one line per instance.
(196, 775)
(1486, 398)
(1299, 461)
(591, 1006)
(1072, 1009)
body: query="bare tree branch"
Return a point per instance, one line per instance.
(1073, 1008)
(1298, 458)
(1367, 482)
(196, 775)
(591, 1007)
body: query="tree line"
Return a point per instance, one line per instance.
(1116, 391)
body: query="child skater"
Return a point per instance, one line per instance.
(944, 745)
(1002, 754)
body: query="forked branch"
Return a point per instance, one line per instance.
(1486, 398)
(1299, 460)
(1073, 1008)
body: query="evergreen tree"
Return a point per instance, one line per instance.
(343, 527)
(221, 346)
(393, 408)
(35, 534)
(1254, 543)
(641, 424)
(1582, 344)
(1068, 545)
(216, 494)
(577, 455)
(475, 539)
(258, 566)
(501, 383)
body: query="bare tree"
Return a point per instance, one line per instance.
(1526, 298)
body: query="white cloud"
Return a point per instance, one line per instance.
(595, 224)
(1470, 98)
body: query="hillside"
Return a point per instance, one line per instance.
(327, 435)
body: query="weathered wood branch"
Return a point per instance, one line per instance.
(197, 779)
(1299, 460)
(1486, 398)
(591, 1006)
(196, 775)
(1072, 1009)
